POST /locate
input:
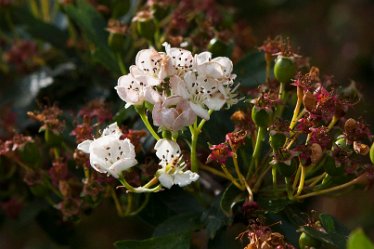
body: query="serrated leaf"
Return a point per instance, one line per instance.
(251, 69)
(171, 241)
(93, 26)
(181, 223)
(358, 240)
(230, 197)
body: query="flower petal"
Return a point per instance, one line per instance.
(166, 180)
(185, 178)
(85, 146)
(200, 111)
(116, 168)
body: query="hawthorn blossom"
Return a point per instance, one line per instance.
(135, 88)
(108, 153)
(173, 114)
(172, 171)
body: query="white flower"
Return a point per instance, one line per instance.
(108, 153)
(181, 59)
(172, 171)
(135, 88)
(173, 113)
(152, 63)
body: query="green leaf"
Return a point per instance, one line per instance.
(41, 30)
(332, 239)
(93, 26)
(171, 241)
(328, 222)
(274, 205)
(230, 197)
(214, 219)
(181, 223)
(251, 69)
(358, 240)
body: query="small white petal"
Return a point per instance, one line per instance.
(121, 165)
(85, 146)
(200, 111)
(203, 57)
(185, 178)
(112, 130)
(166, 180)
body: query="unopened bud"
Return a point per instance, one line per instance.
(145, 25)
(360, 148)
(309, 101)
(277, 140)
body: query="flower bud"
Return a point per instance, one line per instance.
(331, 167)
(309, 101)
(30, 154)
(284, 69)
(260, 117)
(307, 242)
(360, 148)
(277, 140)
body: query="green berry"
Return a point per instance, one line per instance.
(277, 140)
(260, 117)
(284, 69)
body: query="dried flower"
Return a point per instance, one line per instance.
(219, 153)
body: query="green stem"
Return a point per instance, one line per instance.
(214, 171)
(317, 179)
(121, 63)
(237, 169)
(194, 161)
(143, 116)
(195, 130)
(123, 181)
(260, 178)
(289, 188)
(117, 203)
(257, 150)
(297, 108)
(357, 180)
(302, 181)
(274, 175)
(231, 177)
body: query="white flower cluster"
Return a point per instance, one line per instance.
(181, 86)
(112, 155)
